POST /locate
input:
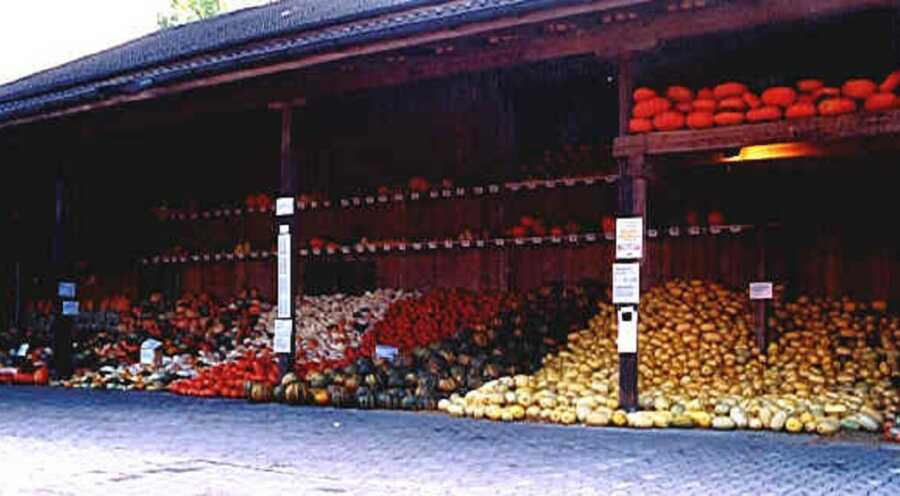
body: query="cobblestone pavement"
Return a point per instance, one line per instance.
(63, 442)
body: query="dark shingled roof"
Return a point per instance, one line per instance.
(288, 28)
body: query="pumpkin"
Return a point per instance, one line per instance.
(278, 393)
(41, 376)
(339, 396)
(805, 98)
(837, 106)
(732, 104)
(704, 105)
(890, 83)
(296, 393)
(649, 108)
(705, 94)
(679, 94)
(728, 118)
(800, 110)
(669, 121)
(684, 107)
(365, 399)
(859, 89)
(826, 92)
(880, 101)
(700, 120)
(779, 96)
(640, 125)
(729, 89)
(321, 397)
(409, 402)
(643, 94)
(715, 218)
(809, 85)
(764, 114)
(261, 392)
(751, 100)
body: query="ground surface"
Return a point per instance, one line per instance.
(55, 442)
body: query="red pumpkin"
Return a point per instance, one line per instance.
(800, 110)
(751, 100)
(684, 107)
(679, 94)
(729, 89)
(859, 89)
(700, 120)
(705, 94)
(764, 114)
(527, 221)
(669, 121)
(729, 118)
(644, 94)
(41, 376)
(518, 232)
(732, 104)
(809, 85)
(890, 83)
(648, 109)
(837, 106)
(691, 218)
(704, 105)
(881, 101)
(826, 92)
(608, 224)
(638, 125)
(715, 218)
(556, 231)
(779, 96)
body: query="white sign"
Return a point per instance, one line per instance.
(282, 341)
(284, 276)
(284, 206)
(627, 341)
(148, 351)
(626, 283)
(385, 352)
(629, 238)
(23, 350)
(760, 290)
(70, 308)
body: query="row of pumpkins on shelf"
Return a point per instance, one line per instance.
(732, 103)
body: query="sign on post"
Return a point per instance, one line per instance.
(284, 206)
(761, 290)
(626, 283)
(284, 273)
(627, 320)
(281, 343)
(385, 352)
(629, 238)
(150, 352)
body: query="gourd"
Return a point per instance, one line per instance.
(779, 96)
(729, 118)
(261, 392)
(643, 94)
(890, 83)
(700, 120)
(859, 89)
(679, 94)
(640, 125)
(809, 85)
(837, 106)
(734, 104)
(650, 108)
(669, 121)
(800, 110)
(729, 89)
(684, 107)
(704, 105)
(764, 114)
(321, 397)
(880, 101)
(752, 100)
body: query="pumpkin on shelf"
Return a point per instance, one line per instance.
(644, 94)
(715, 218)
(684, 107)
(752, 101)
(800, 110)
(732, 104)
(669, 121)
(648, 109)
(825, 92)
(764, 114)
(700, 120)
(679, 94)
(728, 118)
(260, 392)
(809, 85)
(837, 106)
(639, 125)
(859, 89)
(890, 83)
(729, 89)
(779, 96)
(704, 105)
(880, 101)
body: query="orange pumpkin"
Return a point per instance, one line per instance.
(826, 92)
(781, 96)
(321, 397)
(890, 83)
(800, 110)
(684, 107)
(837, 106)
(809, 85)
(704, 105)
(700, 120)
(716, 218)
(732, 103)
(805, 98)
(729, 118)
(650, 108)
(751, 100)
(859, 89)
(705, 94)
(881, 101)
(637, 126)
(669, 121)
(643, 94)
(729, 89)
(679, 94)
(764, 114)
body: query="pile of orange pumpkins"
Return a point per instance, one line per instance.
(733, 103)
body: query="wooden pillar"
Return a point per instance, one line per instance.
(287, 225)
(760, 307)
(60, 267)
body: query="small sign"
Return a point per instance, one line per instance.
(284, 206)
(626, 283)
(70, 308)
(761, 290)
(23, 350)
(281, 343)
(627, 320)
(284, 275)
(66, 289)
(629, 238)
(148, 352)
(385, 352)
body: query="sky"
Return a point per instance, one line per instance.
(40, 34)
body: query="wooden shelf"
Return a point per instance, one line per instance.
(814, 129)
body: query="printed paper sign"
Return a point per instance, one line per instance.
(629, 238)
(626, 283)
(284, 206)
(282, 341)
(627, 320)
(385, 352)
(284, 276)
(148, 351)
(760, 290)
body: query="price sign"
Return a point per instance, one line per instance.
(629, 238)
(626, 283)
(281, 343)
(70, 308)
(284, 273)
(385, 352)
(284, 206)
(627, 339)
(23, 350)
(148, 351)
(760, 290)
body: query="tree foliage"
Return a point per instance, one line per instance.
(185, 11)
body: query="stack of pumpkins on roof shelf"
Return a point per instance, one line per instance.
(833, 367)
(732, 103)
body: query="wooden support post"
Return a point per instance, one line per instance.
(626, 91)
(61, 329)
(761, 307)
(285, 232)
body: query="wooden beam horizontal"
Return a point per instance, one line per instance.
(815, 129)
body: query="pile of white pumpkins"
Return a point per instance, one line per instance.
(833, 366)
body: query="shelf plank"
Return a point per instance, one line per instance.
(819, 129)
